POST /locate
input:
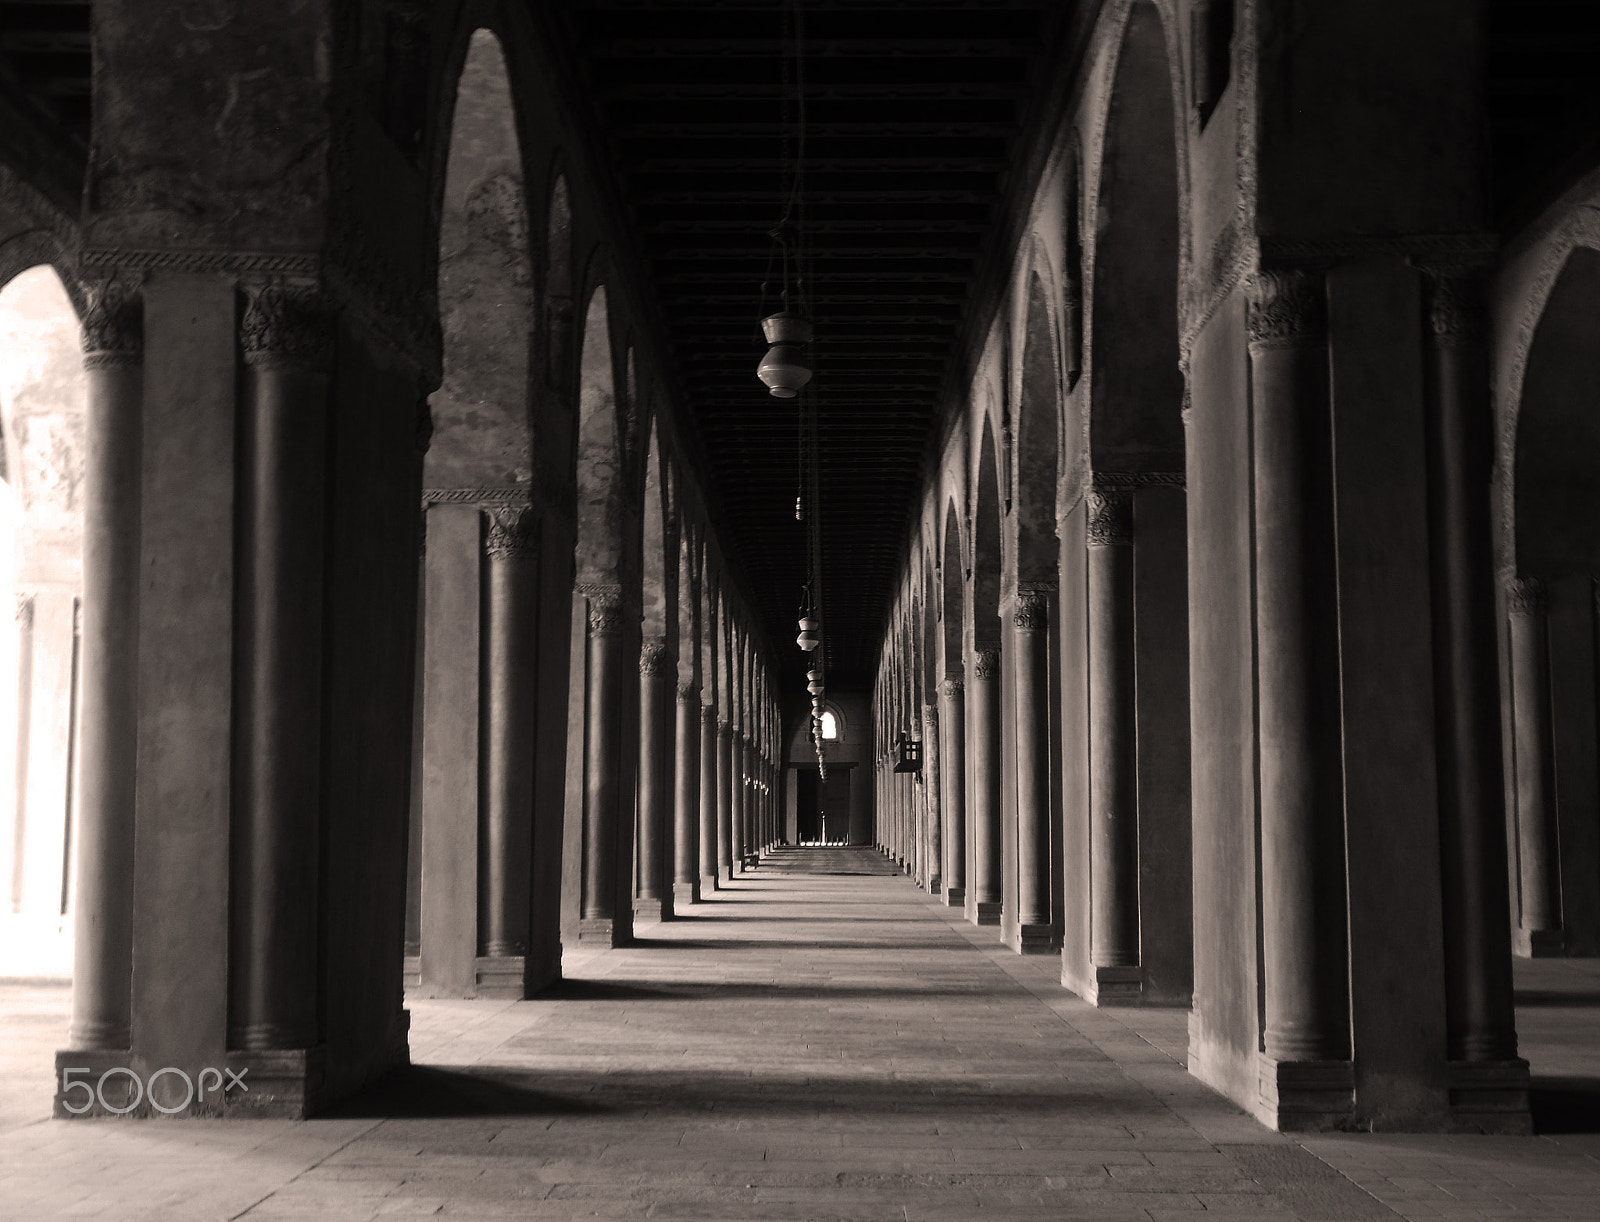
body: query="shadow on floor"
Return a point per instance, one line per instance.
(1564, 1105)
(1551, 997)
(427, 1092)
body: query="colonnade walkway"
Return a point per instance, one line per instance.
(821, 1040)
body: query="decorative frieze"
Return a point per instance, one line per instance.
(113, 325)
(513, 532)
(1527, 596)
(986, 664)
(1031, 611)
(484, 497)
(1287, 307)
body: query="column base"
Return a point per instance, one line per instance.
(708, 884)
(1490, 1097)
(684, 894)
(1036, 940)
(934, 885)
(500, 977)
(605, 930)
(411, 972)
(985, 913)
(1116, 986)
(1305, 1096)
(1538, 943)
(955, 897)
(650, 911)
(725, 873)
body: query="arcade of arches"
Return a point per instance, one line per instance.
(1211, 501)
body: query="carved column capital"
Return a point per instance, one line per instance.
(513, 532)
(952, 687)
(1110, 516)
(656, 660)
(986, 664)
(287, 328)
(1457, 314)
(1527, 596)
(113, 325)
(605, 611)
(1287, 307)
(1030, 611)
(688, 693)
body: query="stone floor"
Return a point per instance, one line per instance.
(809, 1045)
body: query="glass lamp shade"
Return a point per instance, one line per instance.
(785, 370)
(786, 328)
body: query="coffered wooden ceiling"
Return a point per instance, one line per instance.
(913, 116)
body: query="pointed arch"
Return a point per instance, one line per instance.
(986, 547)
(1557, 454)
(1136, 395)
(482, 435)
(558, 282)
(953, 582)
(1038, 443)
(599, 458)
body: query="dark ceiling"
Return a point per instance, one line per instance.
(913, 114)
(915, 111)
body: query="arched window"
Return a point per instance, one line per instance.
(830, 725)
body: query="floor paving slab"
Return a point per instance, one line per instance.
(817, 1040)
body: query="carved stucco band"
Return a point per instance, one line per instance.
(1110, 517)
(476, 496)
(287, 327)
(656, 660)
(1526, 596)
(512, 532)
(605, 612)
(1031, 612)
(985, 663)
(113, 325)
(1287, 307)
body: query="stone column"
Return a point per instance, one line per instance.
(1113, 751)
(510, 713)
(656, 670)
(933, 796)
(1302, 818)
(736, 799)
(1539, 862)
(686, 798)
(987, 883)
(108, 735)
(725, 784)
(1480, 1024)
(277, 800)
(953, 788)
(708, 798)
(1030, 622)
(602, 766)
